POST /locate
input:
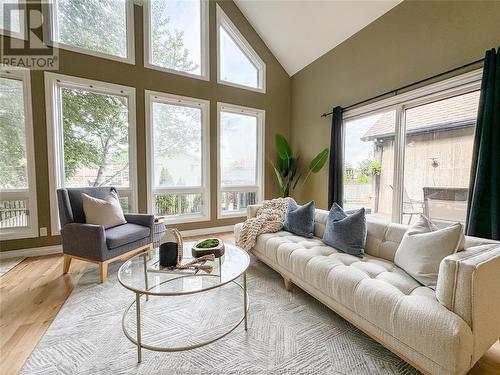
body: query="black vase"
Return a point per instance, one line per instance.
(168, 254)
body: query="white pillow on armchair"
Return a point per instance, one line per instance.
(107, 213)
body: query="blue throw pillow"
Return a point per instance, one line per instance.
(345, 232)
(300, 219)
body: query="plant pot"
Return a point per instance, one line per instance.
(217, 250)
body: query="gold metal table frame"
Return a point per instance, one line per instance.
(137, 302)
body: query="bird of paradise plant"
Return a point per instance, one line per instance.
(288, 169)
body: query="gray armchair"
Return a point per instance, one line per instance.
(93, 243)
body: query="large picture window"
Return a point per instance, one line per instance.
(18, 206)
(178, 140)
(96, 27)
(177, 36)
(411, 154)
(91, 136)
(241, 155)
(238, 64)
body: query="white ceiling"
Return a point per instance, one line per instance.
(299, 31)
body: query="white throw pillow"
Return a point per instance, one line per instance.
(107, 213)
(424, 246)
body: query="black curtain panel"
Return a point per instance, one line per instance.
(336, 164)
(483, 212)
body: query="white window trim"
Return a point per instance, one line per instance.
(458, 85)
(32, 230)
(259, 187)
(22, 24)
(222, 20)
(205, 56)
(204, 189)
(50, 35)
(55, 151)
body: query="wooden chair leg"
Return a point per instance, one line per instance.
(288, 283)
(103, 271)
(66, 263)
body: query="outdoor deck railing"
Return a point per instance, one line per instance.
(14, 213)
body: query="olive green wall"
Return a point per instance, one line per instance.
(276, 103)
(413, 41)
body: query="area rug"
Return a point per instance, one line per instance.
(289, 332)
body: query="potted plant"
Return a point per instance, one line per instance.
(288, 169)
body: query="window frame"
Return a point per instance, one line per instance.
(22, 24)
(30, 193)
(204, 189)
(52, 32)
(55, 144)
(445, 89)
(222, 20)
(260, 115)
(205, 44)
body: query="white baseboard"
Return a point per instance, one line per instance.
(32, 252)
(202, 231)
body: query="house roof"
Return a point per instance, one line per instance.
(456, 112)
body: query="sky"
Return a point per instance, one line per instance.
(357, 150)
(185, 15)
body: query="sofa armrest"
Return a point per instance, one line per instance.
(146, 220)
(252, 210)
(469, 285)
(85, 241)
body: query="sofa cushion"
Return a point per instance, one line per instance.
(423, 248)
(124, 234)
(345, 232)
(300, 219)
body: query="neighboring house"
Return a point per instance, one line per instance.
(438, 152)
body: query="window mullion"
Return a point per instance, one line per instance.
(398, 177)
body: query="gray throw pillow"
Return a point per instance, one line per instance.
(345, 232)
(300, 219)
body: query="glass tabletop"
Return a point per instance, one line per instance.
(135, 273)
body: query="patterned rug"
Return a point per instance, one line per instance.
(289, 333)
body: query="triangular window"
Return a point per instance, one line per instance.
(238, 64)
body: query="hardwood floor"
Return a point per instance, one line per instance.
(32, 293)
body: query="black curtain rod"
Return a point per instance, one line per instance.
(406, 86)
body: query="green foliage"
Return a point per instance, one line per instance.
(209, 243)
(95, 133)
(282, 147)
(13, 161)
(319, 161)
(287, 168)
(369, 167)
(94, 24)
(364, 172)
(95, 125)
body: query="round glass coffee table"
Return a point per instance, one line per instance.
(142, 275)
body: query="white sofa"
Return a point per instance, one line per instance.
(439, 332)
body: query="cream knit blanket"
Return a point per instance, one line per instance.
(269, 219)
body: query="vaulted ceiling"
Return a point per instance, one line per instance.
(300, 31)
